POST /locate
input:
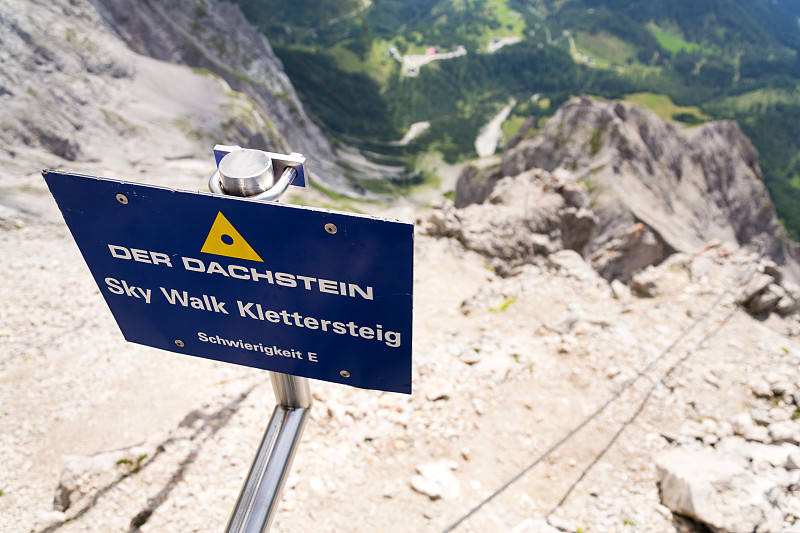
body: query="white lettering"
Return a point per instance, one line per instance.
(193, 264)
(119, 252)
(140, 255)
(216, 268)
(232, 271)
(326, 285)
(160, 258)
(121, 287)
(113, 286)
(355, 288)
(284, 279)
(307, 281)
(244, 310)
(174, 297)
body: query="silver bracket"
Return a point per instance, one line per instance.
(251, 173)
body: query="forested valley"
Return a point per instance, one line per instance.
(689, 61)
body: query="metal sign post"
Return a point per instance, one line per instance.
(250, 173)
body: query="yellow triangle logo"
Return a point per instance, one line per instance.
(223, 239)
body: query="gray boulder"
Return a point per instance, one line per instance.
(716, 490)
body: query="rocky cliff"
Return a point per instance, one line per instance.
(637, 188)
(215, 36)
(122, 82)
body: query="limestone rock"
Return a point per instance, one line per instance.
(766, 300)
(620, 290)
(522, 217)
(654, 191)
(81, 475)
(570, 263)
(436, 480)
(633, 249)
(760, 387)
(784, 431)
(534, 526)
(645, 283)
(719, 492)
(188, 34)
(83, 79)
(758, 434)
(793, 460)
(790, 302)
(688, 188)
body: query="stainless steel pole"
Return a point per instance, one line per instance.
(257, 504)
(249, 173)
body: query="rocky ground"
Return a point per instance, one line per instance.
(100, 435)
(612, 407)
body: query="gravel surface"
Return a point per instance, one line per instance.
(504, 368)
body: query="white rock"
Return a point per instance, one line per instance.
(742, 423)
(755, 286)
(717, 491)
(783, 431)
(793, 459)
(479, 406)
(498, 366)
(428, 487)
(777, 414)
(538, 525)
(620, 290)
(758, 434)
(700, 267)
(437, 388)
(317, 486)
(760, 387)
(645, 283)
(761, 417)
(772, 525)
(48, 519)
(470, 356)
(571, 264)
(711, 378)
(796, 397)
(781, 387)
(760, 456)
(389, 491)
(561, 524)
(436, 480)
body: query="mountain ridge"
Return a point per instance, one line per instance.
(74, 88)
(634, 174)
(721, 60)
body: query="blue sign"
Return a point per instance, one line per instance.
(297, 290)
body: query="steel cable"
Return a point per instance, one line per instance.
(738, 281)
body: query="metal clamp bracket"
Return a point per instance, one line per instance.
(280, 162)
